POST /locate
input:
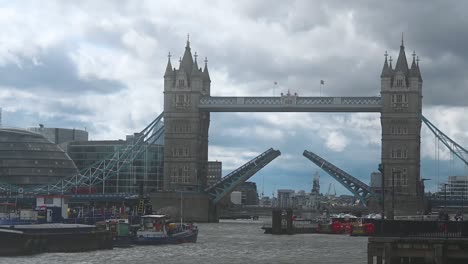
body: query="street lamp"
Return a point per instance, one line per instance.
(423, 193)
(445, 197)
(463, 204)
(181, 207)
(381, 169)
(393, 195)
(463, 210)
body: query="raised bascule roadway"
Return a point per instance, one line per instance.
(184, 126)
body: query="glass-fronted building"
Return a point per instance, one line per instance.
(456, 189)
(143, 174)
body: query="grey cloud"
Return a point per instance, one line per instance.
(32, 119)
(434, 29)
(54, 74)
(295, 16)
(293, 144)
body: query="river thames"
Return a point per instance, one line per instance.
(226, 242)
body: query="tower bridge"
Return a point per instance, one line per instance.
(184, 124)
(188, 104)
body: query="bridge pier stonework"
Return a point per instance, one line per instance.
(186, 127)
(401, 91)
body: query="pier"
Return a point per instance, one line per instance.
(428, 242)
(283, 223)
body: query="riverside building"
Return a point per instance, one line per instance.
(144, 173)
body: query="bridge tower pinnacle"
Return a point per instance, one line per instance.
(186, 132)
(401, 91)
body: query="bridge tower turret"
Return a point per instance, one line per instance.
(186, 127)
(401, 91)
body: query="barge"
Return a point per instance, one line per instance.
(32, 239)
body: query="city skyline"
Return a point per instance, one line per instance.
(79, 73)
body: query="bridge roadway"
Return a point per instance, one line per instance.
(290, 103)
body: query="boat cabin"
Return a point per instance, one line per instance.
(7, 213)
(157, 229)
(117, 227)
(153, 223)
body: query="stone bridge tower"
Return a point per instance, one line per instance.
(186, 127)
(401, 90)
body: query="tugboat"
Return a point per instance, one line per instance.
(156, 230)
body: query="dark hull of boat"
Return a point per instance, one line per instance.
(124, 242)
(186, 237)
(26, 244)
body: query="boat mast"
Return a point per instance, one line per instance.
(181, 208)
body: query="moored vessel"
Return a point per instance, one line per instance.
(31, 239)
(156, 229)
(122, 233)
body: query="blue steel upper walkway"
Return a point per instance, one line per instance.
(290, 103)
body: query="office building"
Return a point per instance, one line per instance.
(249, 193)
(144, 173)
(60, 136)
(215, 170)
(29, 159)
(456, 189)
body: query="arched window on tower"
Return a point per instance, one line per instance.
(404, 176)
(174, 175)
(181, 83)
(399, 177)
(399, 98)
(185, 175)
(399, 83)
(399, 152)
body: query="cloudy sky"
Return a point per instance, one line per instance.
(99, 65)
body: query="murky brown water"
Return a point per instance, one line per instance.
(226, 242)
